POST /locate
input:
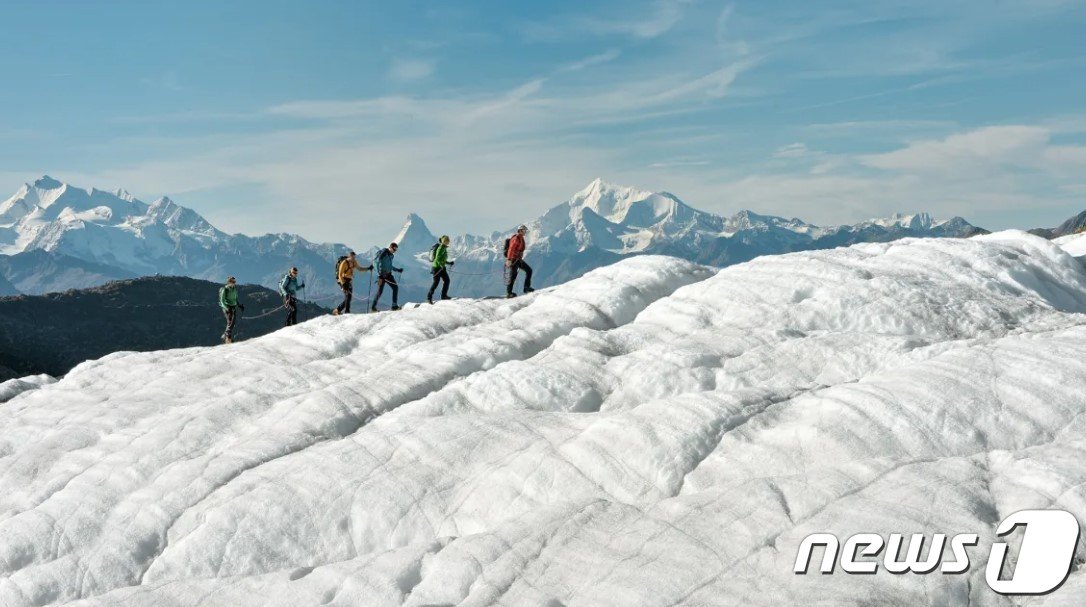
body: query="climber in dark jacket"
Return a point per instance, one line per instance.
(288, 288)
(384, 268)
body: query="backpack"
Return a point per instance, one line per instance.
(433, 251)
(506, 251)
(339, 264)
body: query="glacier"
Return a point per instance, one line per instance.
(655, 432)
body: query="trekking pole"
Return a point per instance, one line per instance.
(369, 293)
(302, 310)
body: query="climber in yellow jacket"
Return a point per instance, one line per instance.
(345, 277)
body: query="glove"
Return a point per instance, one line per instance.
(303, 286)
(241, 307)
(399, 270)
(369, 268)
(508, 263)
(452, 263)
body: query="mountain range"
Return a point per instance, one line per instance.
(126, 237)
(54, 236)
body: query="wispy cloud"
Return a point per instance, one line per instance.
(997, 169)
(792, 150)
(980, 150)
(651, 21)
(605, 57)
(663, 16)
(405, 70)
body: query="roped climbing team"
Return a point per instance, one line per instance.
(384, 268)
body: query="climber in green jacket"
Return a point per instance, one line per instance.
(439, 259)
(228, 301)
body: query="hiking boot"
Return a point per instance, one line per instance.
(445, 297)
(335, 312)
(373, 308)
(394, 307)
(528, 290)
(430, 301)
(510, 295)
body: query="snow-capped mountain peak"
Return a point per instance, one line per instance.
(414, 236)
(178, 217)
(45, 182)
(623, 205)
(914, 221)
(48, 191)
(42, 193)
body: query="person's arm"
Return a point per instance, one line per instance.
(222, 298)
(283, 285)
(441, 257)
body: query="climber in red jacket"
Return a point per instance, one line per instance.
(514, 260)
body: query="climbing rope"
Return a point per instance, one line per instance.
(491, 272)
(268, 313)
(327, 298)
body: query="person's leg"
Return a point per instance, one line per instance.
(527, 275)
(380, 289)
(292, 310)
(512, 278)
(444, 283)
(395, 293)
(348, 288)
(433, 286)
(342, 304)
(231, 316)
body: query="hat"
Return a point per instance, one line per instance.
(522, 228)
(231, 279)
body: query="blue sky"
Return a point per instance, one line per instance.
(335, 119)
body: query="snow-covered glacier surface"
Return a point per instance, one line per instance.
(654, 433)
